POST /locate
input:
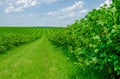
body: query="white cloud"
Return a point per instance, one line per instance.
(26, 3)
(108, 2)
(18, 9)
(19, 5)
(9, 9)
(50, 1)
(33, 3)
(69, 12)
(73, 7)
(83, 11)
(52, 13)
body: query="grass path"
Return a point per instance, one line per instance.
(37, 60)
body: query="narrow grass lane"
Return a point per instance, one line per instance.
(37, 60)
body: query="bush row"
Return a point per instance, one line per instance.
(94, 41)
(10, 40)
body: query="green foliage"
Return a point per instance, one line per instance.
(10, 40)
(117, 5)
(94, 41)
(39, 59)
(11, 37)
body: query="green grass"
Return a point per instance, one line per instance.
(40, 59)
(37, 60)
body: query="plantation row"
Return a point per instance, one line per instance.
(11, 37)
(94, 41)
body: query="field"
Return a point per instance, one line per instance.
(37, 59)
(87, 49)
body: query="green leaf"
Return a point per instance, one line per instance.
(96, 37)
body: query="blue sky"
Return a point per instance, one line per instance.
(45, 12)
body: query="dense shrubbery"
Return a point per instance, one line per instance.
(10, 40)
(94, 41)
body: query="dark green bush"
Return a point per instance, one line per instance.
(94, 41)
(10, 40)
